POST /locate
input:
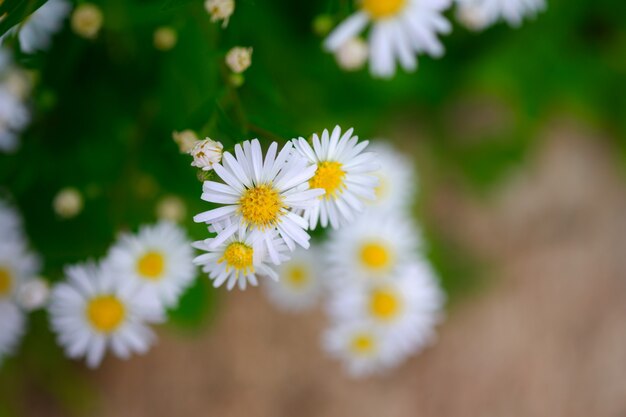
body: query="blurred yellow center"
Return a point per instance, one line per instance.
(375, 255)
(329, 176)
(261, 206)
(380, 9)
(362, 344)
(5, 281)
(384, 304)
(297, 276)
(382, 188)
(151, 265)
(105, 313)
(239, 256)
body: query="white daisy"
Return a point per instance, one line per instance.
(407, 307)
(95, 311)
(400, 30)
(372, 248)
(361, 346)
(14, 116)
(17, 267)
(10, 223)
(344, 171)
(260, 193)
(158, 259)
(35, 33)
(397, 180)
(241, 257)
(300, 284)
(12, 326)
(478, 14)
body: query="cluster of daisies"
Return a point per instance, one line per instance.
(402, 29)
(383, 298)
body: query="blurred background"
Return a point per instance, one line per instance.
(519, 139)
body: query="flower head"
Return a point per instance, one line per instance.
(87, 20)
(206, 153)
(478, 14)
(239, 59)
(68, 203)
(220, 10)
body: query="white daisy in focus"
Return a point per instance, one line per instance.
(400, 30)
(397, 180)
(478, 14)
(35, 33)
(12, 326)
(158, 259)
(260, 193)
(300, 285)
(343, 171)
(240, 258)
(407, 307)
(361, 346)
(95, 311)
(372, 248)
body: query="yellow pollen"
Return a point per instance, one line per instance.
(380, 9)
(329, 176)
(105, 313)
(151, 265)
(362, 344)
(5, 281)
(297, 276)
(375, 256)
(384, 304)
(239, 256)
(261, 206)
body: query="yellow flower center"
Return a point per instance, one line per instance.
(384, 304)
(297, 276)
(239, 256)
(375, 256)
(261, 206)
(329, 176)
(382, 189)
(151, 265)
(6, 281)
(362, 344)
(105, 313)
(380, 9)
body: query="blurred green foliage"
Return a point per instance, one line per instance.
(104, 111)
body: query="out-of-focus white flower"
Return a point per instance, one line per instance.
(239, 258)
(261, 193)
(33, 294)
(165, 38)
(171, 208)
(87, 20)
(68, 203)
(15, 87)
(18, 266)
(10, 223)
(220, 10)
(352, 54)
(300, 285)
(397, 179)
(344, 171)
(12, 325)
(35, 33)
(94, 311)
(185, 140)
(400, 30)
(206, 153)
(478, 14)
(158, 260)
(239, 59)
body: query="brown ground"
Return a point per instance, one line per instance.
(546, 339)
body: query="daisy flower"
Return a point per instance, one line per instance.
(17, 266)
(35, 33)
(361, 346)
(241, 257)
(94, 311)
(478, 14)
(12, 326)
(261, 193)
(397, 180)
(158, 259)
(10, 223)
(343, 171)
(400, 30)
(372, 248)
(408, 307)
(300, 284)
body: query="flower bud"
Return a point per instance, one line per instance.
(68, 203)
(239, 59)
(352, 55)
(206, 153)
(87, 20)
(185, 140)
(33, 294)
(165, 38)
(220, 10)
